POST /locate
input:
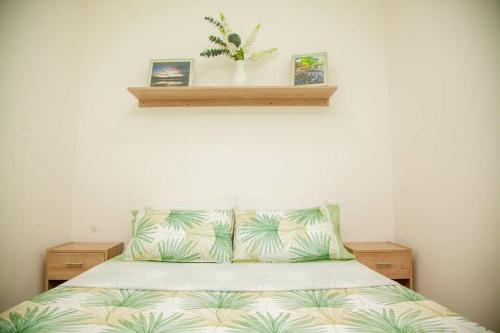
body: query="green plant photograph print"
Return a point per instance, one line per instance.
(310, 69)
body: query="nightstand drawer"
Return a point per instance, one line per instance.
(65, 266)
(394, 265)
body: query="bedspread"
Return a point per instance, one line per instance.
(219, 298)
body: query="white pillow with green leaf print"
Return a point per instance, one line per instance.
(181, 235)
(289, 235)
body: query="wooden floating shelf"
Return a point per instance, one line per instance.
(233, 96)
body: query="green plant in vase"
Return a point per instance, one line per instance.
(229, 43)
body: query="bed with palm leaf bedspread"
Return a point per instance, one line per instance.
(324, 296)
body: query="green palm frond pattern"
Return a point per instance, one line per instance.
(181, 236)
(124, 298)
(266, 323)
(311, 248)
(156, 324)
(308, 216)
(226, 212)
(300, 311)
(392, 294)
(308, 234)
(55, 295)
(311, 299)
(475, 327)
(218, 300)
(44, 319)
(222, 246)
(372, 321)
(184, 219)
(261, 234)
(142, 234)
(178, 250)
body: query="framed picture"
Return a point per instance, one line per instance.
(171, 72)
(309, 69)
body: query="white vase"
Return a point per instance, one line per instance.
(240, 75)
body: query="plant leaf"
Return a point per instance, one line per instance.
(251, 39)
(213, 52)
(235, 39)
(213, 21)
(225, 29)
(217, 40)
(262, 53)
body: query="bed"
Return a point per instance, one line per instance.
(241, 270)
(321, 296)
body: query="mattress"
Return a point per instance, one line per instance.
(330, 296)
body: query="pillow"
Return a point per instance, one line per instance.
(181, 235)
(289, 235)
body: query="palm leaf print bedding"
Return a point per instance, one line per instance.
(146, 297)
(372, 309)
(181, 235)
(294, 235)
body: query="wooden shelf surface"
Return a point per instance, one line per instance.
(233, 96)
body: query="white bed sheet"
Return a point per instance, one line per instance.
(229, 277)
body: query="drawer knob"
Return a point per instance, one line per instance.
(384, 264)
(74, 264)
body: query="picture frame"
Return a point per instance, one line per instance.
(171, 72)
(310, 69)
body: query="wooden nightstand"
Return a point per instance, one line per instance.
(389, 259)
(66, 261)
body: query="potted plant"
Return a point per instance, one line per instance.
(229, 44)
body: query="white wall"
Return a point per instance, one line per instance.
(39, 68)
(77, 153)
(444, 66)
(127, 157)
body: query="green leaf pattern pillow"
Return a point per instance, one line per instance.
(289, 235)
(181, 235)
